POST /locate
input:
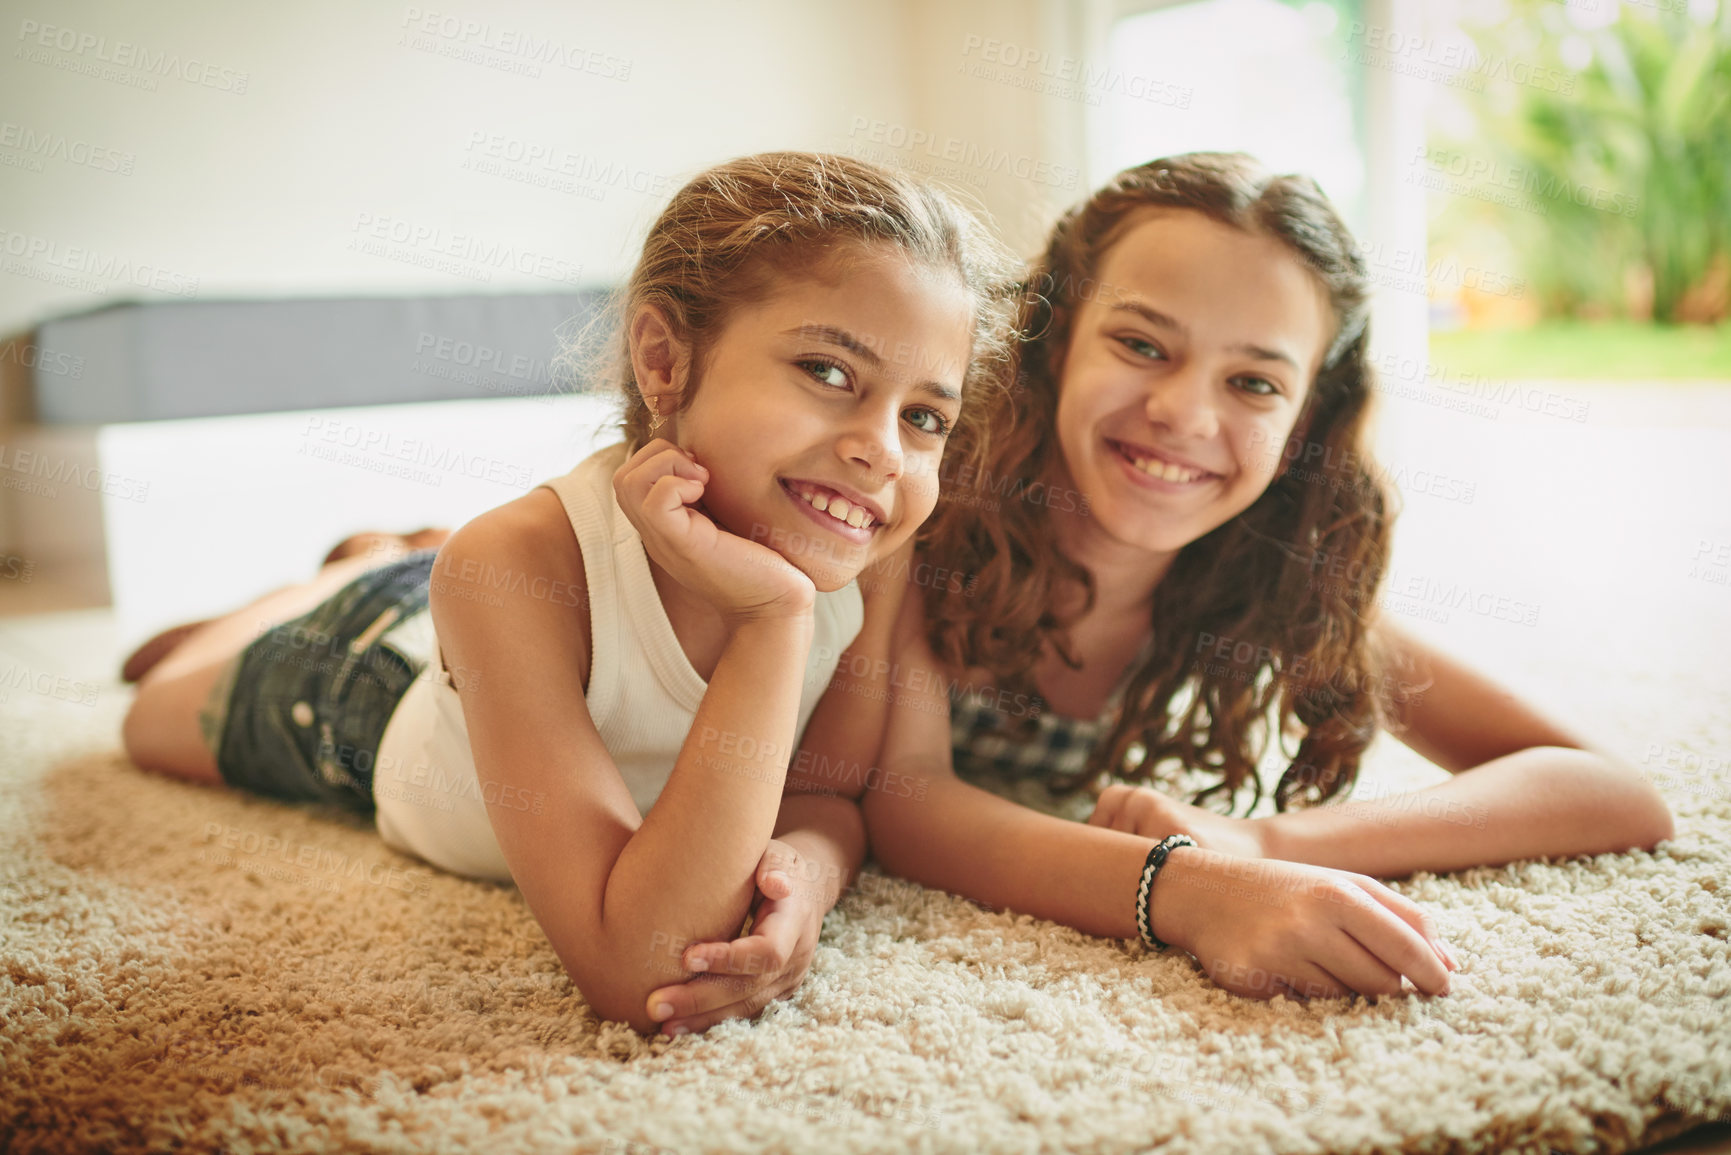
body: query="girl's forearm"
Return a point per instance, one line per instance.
(1545, 801)
(689, 872)
(971, 842)
(829, 833)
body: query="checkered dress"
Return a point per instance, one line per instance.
(982, 741)
(982, 738)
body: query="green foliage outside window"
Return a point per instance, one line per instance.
(1621, 174)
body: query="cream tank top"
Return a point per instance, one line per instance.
(642, 692)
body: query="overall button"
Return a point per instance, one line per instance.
(302, 714)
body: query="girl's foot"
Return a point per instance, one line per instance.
(377, 542)
(139, 662)
(144, 657)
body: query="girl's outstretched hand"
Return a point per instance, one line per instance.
(1262, 927)
(738, 979)
(660, 489)
(1147, 813)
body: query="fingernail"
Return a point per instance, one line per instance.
(677, 1031)
(698, 964)
(661, 1011)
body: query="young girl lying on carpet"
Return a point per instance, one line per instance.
(1178, 535)
(595, 690)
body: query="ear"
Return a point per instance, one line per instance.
(660, 361)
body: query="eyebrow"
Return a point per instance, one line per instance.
(843, 339)
(1156, 317)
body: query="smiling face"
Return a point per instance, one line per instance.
(822, 410)
(1184, 376)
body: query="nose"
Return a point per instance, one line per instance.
(873, 441)
(1183, 403)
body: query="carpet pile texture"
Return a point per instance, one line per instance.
(184, 969)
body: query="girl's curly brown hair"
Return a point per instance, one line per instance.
(1260, 626)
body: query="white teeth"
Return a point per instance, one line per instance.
(840, 508)
(1157, 468)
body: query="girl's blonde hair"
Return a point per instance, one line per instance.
(737, 230)
(1298, 650)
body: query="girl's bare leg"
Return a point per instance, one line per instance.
(166, 729)
(141, 660)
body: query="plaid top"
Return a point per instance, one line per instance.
(982, 725)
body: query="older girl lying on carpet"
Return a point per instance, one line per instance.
(595, 690)
(1187, 541)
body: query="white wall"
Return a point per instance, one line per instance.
(343, 118)
(305, 126)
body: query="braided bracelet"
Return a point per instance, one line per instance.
(1156, 859)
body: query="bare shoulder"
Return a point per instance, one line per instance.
(908, 605)
(918, 727)
(513, 569)
(911, 641)
(884, 587)
(902, 606)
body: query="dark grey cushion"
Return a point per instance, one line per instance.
(147, 361)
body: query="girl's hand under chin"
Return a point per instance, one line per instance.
(658, 489)
(738, 979)
(1147, 813)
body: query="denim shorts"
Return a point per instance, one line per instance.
(308, 700)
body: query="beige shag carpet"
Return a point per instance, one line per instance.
(185, 970)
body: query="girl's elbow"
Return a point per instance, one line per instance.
(1648, 812)
(638, 1020)
(1661, 826)
(616, 981)
(1627, 805)
(626, 1003)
